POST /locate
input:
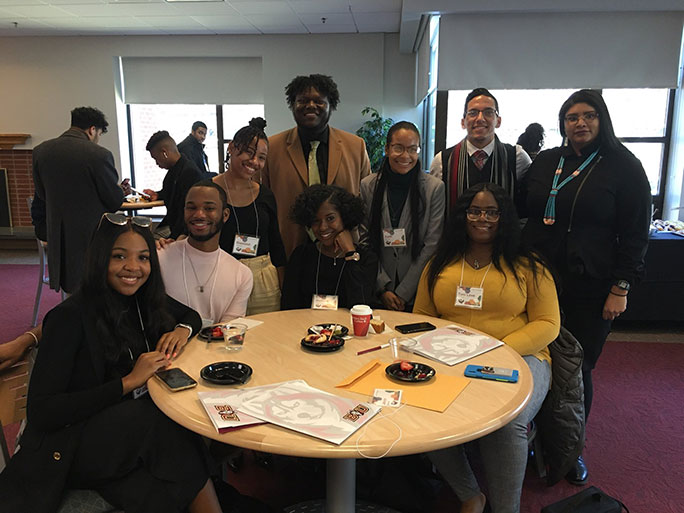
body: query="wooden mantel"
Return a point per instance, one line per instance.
(9, 141)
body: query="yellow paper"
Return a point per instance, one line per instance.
(436, 394)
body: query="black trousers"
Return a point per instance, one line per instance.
(140, 460)
(581, 304)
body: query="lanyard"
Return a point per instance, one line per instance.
(463, 270)
(142, 327)
(237, 222)
(318, 268)
(550, 210)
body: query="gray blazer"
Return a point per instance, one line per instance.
(397, 262)
(78, 182)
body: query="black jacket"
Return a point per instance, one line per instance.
(560, 419)
(602, 216)
(178, 180)
(194, 150)
(70, 383)
(78, 182)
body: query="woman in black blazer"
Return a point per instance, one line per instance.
(91, 423)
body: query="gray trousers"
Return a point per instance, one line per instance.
(504, 453)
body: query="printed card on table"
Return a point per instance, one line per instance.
(386, 397)
(296, 405)
(453, 344)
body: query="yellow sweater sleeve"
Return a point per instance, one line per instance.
(543, 317)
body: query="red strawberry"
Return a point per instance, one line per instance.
(405, 366)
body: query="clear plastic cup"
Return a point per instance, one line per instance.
(234, 335)
(402, 347)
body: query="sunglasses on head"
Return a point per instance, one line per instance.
(122, 220)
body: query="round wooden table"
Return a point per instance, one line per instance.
(131, 206)
(274, 352)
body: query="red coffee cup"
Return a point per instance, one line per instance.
(361, 316)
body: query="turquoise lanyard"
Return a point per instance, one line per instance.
(550, 210)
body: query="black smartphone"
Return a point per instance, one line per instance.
(175, 379)
(414, 327)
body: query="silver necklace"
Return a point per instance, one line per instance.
(202, 285)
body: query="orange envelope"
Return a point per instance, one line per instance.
(436, 394)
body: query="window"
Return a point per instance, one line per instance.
(640, 119)
(430, 101)
(177, 119)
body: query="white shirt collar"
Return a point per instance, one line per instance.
(487, 149)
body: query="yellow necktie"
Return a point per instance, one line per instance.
(314, 175)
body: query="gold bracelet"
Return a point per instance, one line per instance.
(35, 338)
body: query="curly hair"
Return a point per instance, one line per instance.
(508, 246)
(254, 130)
(306, 205)
(85, 117)
(324, 84)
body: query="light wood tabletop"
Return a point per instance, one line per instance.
(274, 352)
(141, 205)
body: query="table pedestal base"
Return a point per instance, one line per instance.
(319, 507)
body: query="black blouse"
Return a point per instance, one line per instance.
(356, 279)
(269, 233)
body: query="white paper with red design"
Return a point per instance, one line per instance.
(453, 344)
(222, 407)
(296, 405)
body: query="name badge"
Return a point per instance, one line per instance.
(246, 245)
(394, 237)
(469, 297)
(140, 391)
(323, 302)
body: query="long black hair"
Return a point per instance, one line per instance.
(606, 136)
(508, 246)
(106, 302)
(532, 139)
(416, 201)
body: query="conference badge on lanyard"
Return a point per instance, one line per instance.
(246, 245)
(469, 297)
(324, 302)
(394, 237)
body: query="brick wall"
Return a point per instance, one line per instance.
(19, 182)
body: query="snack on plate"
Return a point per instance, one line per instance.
(316, 339)
(405, 366)
(216, 332)
(377, 324)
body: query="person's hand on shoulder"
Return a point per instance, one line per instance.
(145, 367)
(152, 194)
(163, 243)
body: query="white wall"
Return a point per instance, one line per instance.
(43, 78)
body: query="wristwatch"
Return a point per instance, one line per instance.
(352, 255)
(623, 284)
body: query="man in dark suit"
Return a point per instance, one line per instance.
(193, 146)
(312, 152)
(182, 175)
(78, 182)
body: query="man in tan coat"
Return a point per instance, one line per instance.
(312, 152)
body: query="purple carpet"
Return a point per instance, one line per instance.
(635, 436)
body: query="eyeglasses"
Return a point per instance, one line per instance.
(399, 149)
(487, 113)
(122, 220)
(318, 102)
(587, 116)
(474, 214)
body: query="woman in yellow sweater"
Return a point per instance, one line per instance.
(481, 276)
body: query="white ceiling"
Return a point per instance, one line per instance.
(202, 17)
(161, 17)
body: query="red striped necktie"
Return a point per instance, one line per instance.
(479, 158)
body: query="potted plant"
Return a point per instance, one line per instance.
(374, 132)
